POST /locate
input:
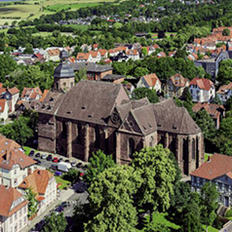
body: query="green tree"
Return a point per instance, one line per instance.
(97, 164)
(217, 100)
(158, 171)
(32, 202)
(55, 223)
(190, 218)
(139, 72)
(144, 51)
(142, 92)
(28, 49)
(226, 32)
(7, 65)
(187, 95)
(206, 123)
(208, 203)
(226, 148)
(18, 131)
(72, 175)
(81, 75)
(111, 200)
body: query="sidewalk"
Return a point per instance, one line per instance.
(64, 195)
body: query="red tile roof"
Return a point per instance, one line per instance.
(151, 79)
(213, 110)
(8, 196)
(218, 165)
(178, 80)
(13, 91)
(38, 181)
(2, 105)
(11, 154)
(223, 89)
(82, 56)
(202, 83)
(31, 93)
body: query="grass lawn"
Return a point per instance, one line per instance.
(210, 229)
(206, 156)
(27, 150)
(160, 218)
(81, 27)
(64, 183)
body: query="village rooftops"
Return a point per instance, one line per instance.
(202, 83)
(90, 67)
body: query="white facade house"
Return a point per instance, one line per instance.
(44, 185)
(13, 210)
(150, 81)
(202, 90)
(4, 109)
(133, 54)
(14, 164)
(11, 96)
(225, 92)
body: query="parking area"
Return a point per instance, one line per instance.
(49, 160)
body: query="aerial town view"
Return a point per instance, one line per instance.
(115, 115)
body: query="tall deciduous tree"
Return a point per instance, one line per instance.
(111, 200)
(158, 173)
(55, 223)
(208, 203)
(145, 92)
(97, 164)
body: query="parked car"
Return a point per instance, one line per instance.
(65, 204)
(55, 160)
(37, 154)
(73, 163)
(38, 161)
(64, 167)
(53, 166)
(85, 167)
(81, 187)
(79, 165)
(43, 156)
(59, 208)
(61, 159)
(49, 157)
(57, 173)
(66, 161)
(32, 152)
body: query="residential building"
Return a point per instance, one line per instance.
(43, 184)
(94, 71)
(11, 96)
(177, 85)
(218, 169)
(52, 54)
(97, 115)
(217, 112)
(83, 57)
(31, 94)
(133, 54)
(96, 56)
(4, 109)
(225, 92)
(202, 90)
(15, 165)
(150, 81)
(13, 210)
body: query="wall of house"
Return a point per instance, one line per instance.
(4, 114)
(14, 176)
(16, 222)
(201, 95)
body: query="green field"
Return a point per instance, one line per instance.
(64, 183)
(30, 10)
(74, 6)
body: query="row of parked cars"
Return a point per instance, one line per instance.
(55, 160)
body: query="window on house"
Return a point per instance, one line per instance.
(20, 212)
(151, 141)
(15, 171)
(20, 223)
(131, 147)
(79, 136)
(16, 215)
(25, 220)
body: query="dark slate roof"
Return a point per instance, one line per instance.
(63, 71)
(174, 119)
(90, 101)
(90, 67)
(64, 54)
(126, 106)
(112, 77)
(52, 102)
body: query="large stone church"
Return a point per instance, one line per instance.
(77, 120)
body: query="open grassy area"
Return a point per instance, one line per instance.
(27, 150)
(73, 6)
(210, 229)
(64, 183)
(160, 218)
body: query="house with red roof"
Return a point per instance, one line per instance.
(216, 111)
(11, 96)
(150, 81)
(13, 210)
(225, 92)
(43, 184)
(218, 169)
(83, 57)
(95, 56)
(133, 54)
(202, 90)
